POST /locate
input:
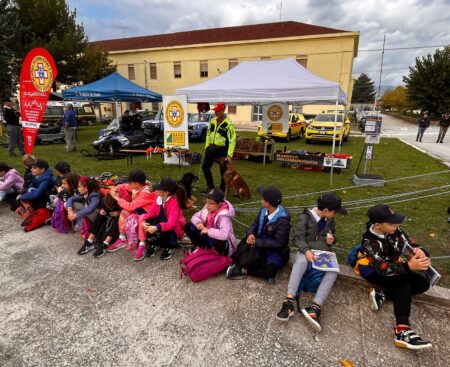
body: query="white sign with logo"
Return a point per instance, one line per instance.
(373, 125)
(373, 139)
(369, 152)
(175, 128)
(275, 118)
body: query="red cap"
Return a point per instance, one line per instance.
(219, 107)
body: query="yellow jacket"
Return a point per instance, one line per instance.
(223, 135)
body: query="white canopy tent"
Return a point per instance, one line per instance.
(274, 81)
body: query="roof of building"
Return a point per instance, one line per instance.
(217, 35)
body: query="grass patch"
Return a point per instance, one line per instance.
(393, 159)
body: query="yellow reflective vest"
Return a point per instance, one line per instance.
(223, 135)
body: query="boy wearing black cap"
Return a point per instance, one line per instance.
(380, 262)
(265, 248)
(315, 230)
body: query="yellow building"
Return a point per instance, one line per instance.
(166, 62)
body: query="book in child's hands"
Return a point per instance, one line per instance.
(325, 261)
(430, 274)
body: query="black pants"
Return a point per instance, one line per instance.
(400, 289)
(204, 241)
(212, 154)
(105, 226)
(162, 239)
(254, 260)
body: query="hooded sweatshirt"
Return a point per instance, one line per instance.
(222, 227)
(13, 180)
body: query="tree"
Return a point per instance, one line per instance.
(396, 99)
(52, 25)
(363, 90)
(428, 81)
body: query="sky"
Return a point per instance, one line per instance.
(413, 25)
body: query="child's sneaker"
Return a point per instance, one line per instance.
(116, 246)
(132, 246)
(140, 254)
(151, 251)
(377, 298)
(233, 272)
(287, 311)
(408, 339)
(101, 250)
(87, 246)
(167, 253)
(312, 314)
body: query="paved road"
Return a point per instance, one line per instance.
(61, 309)
(407, 132)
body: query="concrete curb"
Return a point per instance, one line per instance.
(425, 152)
(435, 295)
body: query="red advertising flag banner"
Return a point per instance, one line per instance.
(36, 80)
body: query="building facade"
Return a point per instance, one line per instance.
(164, 63)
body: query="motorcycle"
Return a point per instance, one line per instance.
(112, 139)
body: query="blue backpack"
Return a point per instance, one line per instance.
(352, 256)
(310, 282)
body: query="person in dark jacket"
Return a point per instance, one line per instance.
(27, 161)
(126, 124)
(265, 248)
(382, 262)
(11, 118)
(443, 127)
(70, 128)
(423, 124)
(315, 230)
(40, 186)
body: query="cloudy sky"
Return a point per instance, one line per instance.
(413, 25)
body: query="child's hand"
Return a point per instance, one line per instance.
(205, 230)
(59, 189)
(417, 263)
(152, 229)
(72, 215)
(102, 212)
(330, 238)
(145, 225)
(200, 226)
(309, 255)
(251, 239)
(419, 252)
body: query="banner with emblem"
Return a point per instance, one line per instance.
(175, 127)
(36, 80)
(275, 118)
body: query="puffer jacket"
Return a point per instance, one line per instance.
(13, 180)
(143, 198)
(223, 227)
(39, 186)
(306, 235)
(276, 234)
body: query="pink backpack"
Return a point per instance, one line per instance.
(203, 264)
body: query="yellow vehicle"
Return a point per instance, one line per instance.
(322, 126)
(297, 127)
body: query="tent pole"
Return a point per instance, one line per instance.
(334, 137)
(117, 109)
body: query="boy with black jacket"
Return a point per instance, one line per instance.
(315, 230)
(380, 262)
(265, 248)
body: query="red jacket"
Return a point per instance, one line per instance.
(174, 215)
(141, 199)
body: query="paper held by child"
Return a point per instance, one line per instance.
(430, 274)
(325, 261)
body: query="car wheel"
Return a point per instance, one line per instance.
(203, 136)
(308, 141)
(300, 134)
(89, 122)
(288, 137)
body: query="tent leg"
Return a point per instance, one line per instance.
(265, 152)
(334, 138)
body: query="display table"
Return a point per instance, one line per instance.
(313, 160)
(247, 148)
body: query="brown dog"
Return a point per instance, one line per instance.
(234, 180)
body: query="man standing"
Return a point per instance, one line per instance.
(423, 123)
(70, 128)
(443, 127)
(220, 143)
(11, 118)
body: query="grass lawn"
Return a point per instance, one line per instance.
(393, 159)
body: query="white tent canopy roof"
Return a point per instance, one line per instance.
(259, 82)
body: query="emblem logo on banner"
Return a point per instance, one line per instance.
(36, 80)
(274, 113)
(275, 118)
(174, 114)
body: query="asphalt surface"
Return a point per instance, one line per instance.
(407, 132)
(61, 309)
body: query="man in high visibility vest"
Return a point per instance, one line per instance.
(220, 143)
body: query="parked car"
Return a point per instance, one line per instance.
(362, 118)
(322, 128)
(297, 127)
(198, 125)
(85, 115)
(53, 115)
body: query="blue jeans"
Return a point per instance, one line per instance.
(3, 193)
(420, 133)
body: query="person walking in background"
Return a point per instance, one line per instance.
(443, 127)
(11, 118)
(70, 128)
(423, 123)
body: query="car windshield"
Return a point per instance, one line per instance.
(113, 125)
(199, 117)
(327, 117)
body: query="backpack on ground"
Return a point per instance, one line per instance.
(203, 264)
(60, 222)
(310, 282)
(36, 219)
(352, 256)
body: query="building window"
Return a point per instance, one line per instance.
(155, 106)
(232, 63)
(232, 110)
(302, 60)
(131, 75)
(177, 69)
(265, 58)
(256, 113)
(204, 69)
(153, 72)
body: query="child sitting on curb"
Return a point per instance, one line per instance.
(379, 262)
(315, 230)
